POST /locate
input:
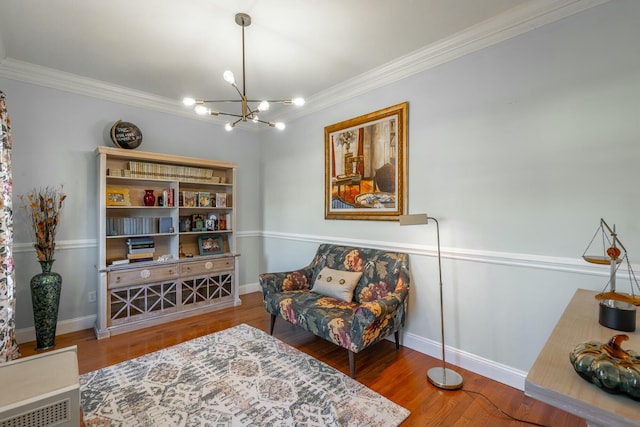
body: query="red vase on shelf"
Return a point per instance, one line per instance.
(149, 198)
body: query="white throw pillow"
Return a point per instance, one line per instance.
(336, 283)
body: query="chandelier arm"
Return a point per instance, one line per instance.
(221, 100)
(229, 114)
(238, 90)
(283, 101)
(264, 121)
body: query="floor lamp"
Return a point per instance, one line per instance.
(441, 377)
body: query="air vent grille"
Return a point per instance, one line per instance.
(49, 415)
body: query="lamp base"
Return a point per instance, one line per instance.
(445, 378)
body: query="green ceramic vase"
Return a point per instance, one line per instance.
(45, 299)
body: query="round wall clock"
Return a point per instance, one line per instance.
(126, 135)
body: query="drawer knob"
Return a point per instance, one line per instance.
(117, 279)
(145, 274)
(208, 265)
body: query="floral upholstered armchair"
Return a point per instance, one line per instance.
(353, 297)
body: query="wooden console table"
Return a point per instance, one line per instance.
(553, 380)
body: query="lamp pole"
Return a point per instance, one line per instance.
(441, 377)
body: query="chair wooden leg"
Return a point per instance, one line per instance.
(273, 323)
(397, 335)
(352, 364)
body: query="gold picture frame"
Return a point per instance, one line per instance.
(366, 166)
(118, 197)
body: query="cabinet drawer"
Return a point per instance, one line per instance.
(141, 275)
(205, 267)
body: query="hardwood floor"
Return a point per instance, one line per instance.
(399, 375)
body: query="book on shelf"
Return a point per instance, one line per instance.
(117, 226)
(197, 222)
(221, 200)
(189, 199)
(120, 261)
(134, 251)
(165, 224)
(168, 196)
(143, 246)
(141, 259)
(140, 245)
(204, 199)
(184, 224)
(144, 255)
(143, 240)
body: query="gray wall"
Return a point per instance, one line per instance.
(55, 135)
(518, 149)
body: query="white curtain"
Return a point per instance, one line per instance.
(8, 345)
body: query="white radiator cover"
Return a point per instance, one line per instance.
(41, 390)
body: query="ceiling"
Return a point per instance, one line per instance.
(168, 49)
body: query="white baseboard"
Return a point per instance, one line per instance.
(72, 325)
(64, 327)
(481, 366)
(248, 288)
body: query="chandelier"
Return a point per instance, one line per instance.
(248, 112)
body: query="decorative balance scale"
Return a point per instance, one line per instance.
(617, 310)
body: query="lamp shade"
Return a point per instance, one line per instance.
(415, 219)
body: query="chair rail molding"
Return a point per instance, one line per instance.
(567, 265)
(61, 245)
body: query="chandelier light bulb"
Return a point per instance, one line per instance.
(202, 110)
(248, 112)
(229, 78)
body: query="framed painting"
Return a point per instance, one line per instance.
(365, 162)
(210, 244)
(118, 197)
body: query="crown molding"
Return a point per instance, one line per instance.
(510, 24)
(52, 78)
(48, 77)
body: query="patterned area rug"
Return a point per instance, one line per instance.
(237, 377)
